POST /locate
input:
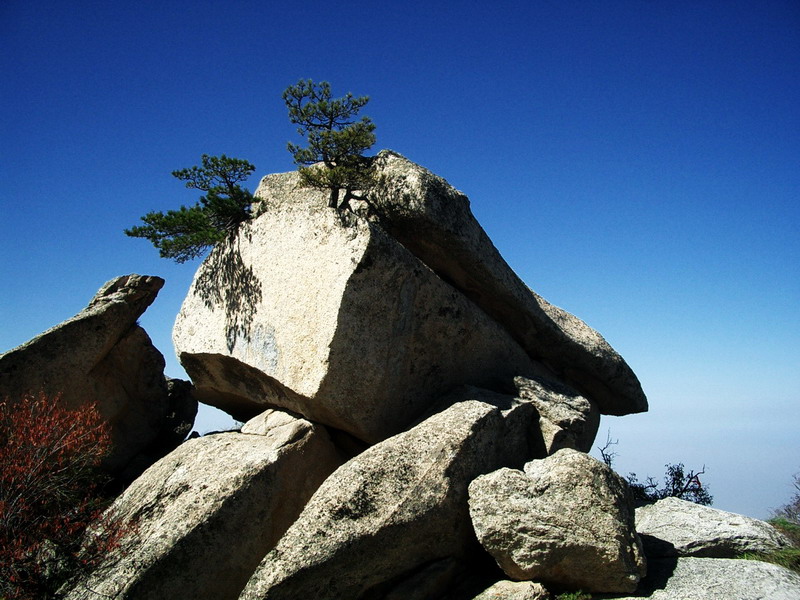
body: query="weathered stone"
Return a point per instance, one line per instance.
(566, 419)
(521, 437)
(101, 356)
(434, 221)
(206, 514)
(540, 417)
(675, 527)
(566, 520)
(397, 506)
(326, 315)
(716, 579)
(514, 590)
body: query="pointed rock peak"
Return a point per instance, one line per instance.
(137, 291)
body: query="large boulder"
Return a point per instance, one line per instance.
(399, 505)
(326, 315)
(716, 579)
(434, 221)
(102, 356)
(675, 527)
(567, 520)
(203, 517)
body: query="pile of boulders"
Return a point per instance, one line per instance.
(416, 423)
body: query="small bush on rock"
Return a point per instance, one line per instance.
(49, 494)
(678, 483)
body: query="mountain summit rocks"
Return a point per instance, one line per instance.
(397, 377)
(361, 320)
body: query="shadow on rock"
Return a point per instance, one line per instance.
(227, 281)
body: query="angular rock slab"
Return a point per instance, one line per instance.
(205, 515)
(716, 579)
(675, 527)
(541, 417)
(435, 222)
(397, 506)
(325, 315)
(566, 520)
(101, 355)
(566, 419)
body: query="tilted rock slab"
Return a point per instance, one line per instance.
(397, 506)
(716, 579)
(675, 527)
(566, 520)
(101, 356)
(204, 516)
(434, 221)
(326, 315)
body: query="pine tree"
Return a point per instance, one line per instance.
(336, 138)
(187, 233)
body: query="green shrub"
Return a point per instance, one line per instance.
(787, 528)
(788, 558)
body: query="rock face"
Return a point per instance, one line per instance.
(101, 355)
(717, 579)
(434, 221)
(360, 322)
(205, 515)
(397, 506)
(566, 419)
(674, 527)
(567, 519)
(335, 321)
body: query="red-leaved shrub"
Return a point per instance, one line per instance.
(50, 488)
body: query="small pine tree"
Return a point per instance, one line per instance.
(335, 138)
(187, 233)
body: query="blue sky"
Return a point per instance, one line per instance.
(636, 162)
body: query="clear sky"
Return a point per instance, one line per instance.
(636, 162)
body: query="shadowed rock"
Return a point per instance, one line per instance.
(102, 356)
(434, 221)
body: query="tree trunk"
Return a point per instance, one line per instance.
(333, 201)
